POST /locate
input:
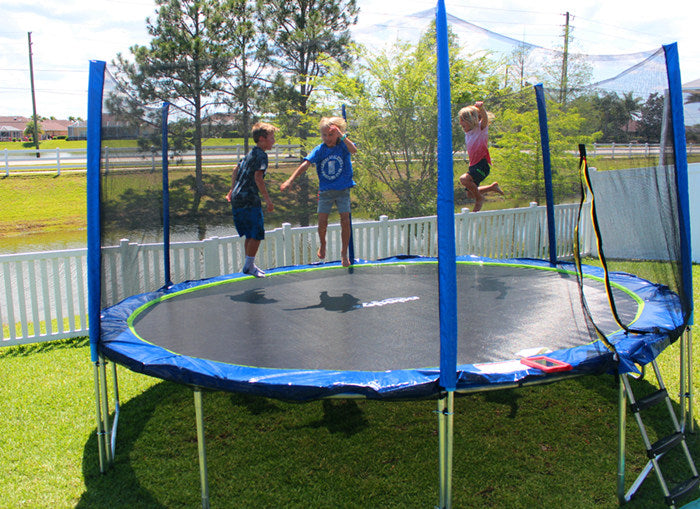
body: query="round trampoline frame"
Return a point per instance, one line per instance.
(657, 312)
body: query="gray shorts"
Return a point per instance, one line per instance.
(341, 198)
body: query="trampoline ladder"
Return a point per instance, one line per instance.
(656, 450)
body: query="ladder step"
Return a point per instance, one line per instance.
(650, 400)
(682, 490)
(664, 444)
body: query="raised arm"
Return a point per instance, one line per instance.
(349, 144)
(301, 169)
(483, 115)
(344, 139)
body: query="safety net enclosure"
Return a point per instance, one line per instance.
(430, 307)
(146, 182)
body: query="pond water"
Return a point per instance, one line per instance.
(53, 241)
(76, 239)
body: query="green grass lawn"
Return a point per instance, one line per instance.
(546, 446)
(543, 446)
(42, 204)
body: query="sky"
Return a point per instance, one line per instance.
(67, 34)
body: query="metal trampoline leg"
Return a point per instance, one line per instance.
(686, 381)
(105, 410)
(691, 426)
(446, 440)
(621, 435)
(204, 480)
(117, 409)
(98, 418)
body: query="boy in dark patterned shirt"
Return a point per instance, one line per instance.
(247, 182)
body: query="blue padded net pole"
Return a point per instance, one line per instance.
(94, 146)
(679, 141)
(166, 195)
(447, 265)
(547, 167)
(351, 244)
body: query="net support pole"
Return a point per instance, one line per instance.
(447, 264)
(675, 88)
(351, 241)
(166, 195)
(94, 147)
(547, 169)
(679, 146)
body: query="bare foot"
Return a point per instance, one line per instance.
(477, 205)
(346, 261)
(498, 189)
(321, 251)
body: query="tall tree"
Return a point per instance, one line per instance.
(249, 58)
(613, 113)
(651, 118)
(300, 32)
(517, 150)
(184, 64)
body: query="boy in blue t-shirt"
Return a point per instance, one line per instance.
(247, 182)
(334, 169)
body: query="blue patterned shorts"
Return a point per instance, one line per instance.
(249, 222)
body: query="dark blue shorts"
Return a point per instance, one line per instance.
(249, 222)
(479, 171)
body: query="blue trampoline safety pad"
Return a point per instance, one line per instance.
(372, 330)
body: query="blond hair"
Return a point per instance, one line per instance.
(339, 122)
(262, 129)
(470, 114)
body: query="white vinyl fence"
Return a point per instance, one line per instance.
(43, 296)
(18, 162)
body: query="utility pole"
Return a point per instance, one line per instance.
(31, 77)
(565, 62)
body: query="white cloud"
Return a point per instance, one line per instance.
(69, 33)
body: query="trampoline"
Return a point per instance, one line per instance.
(404, 327)
(372, 331)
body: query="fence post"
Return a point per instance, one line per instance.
(383, 247)
(129, 275)
(7, 163)
(58, 162)
(532, 233)
(288, 243)
(211, 257)
(613, 150)
(277, 156)
(106, 160)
